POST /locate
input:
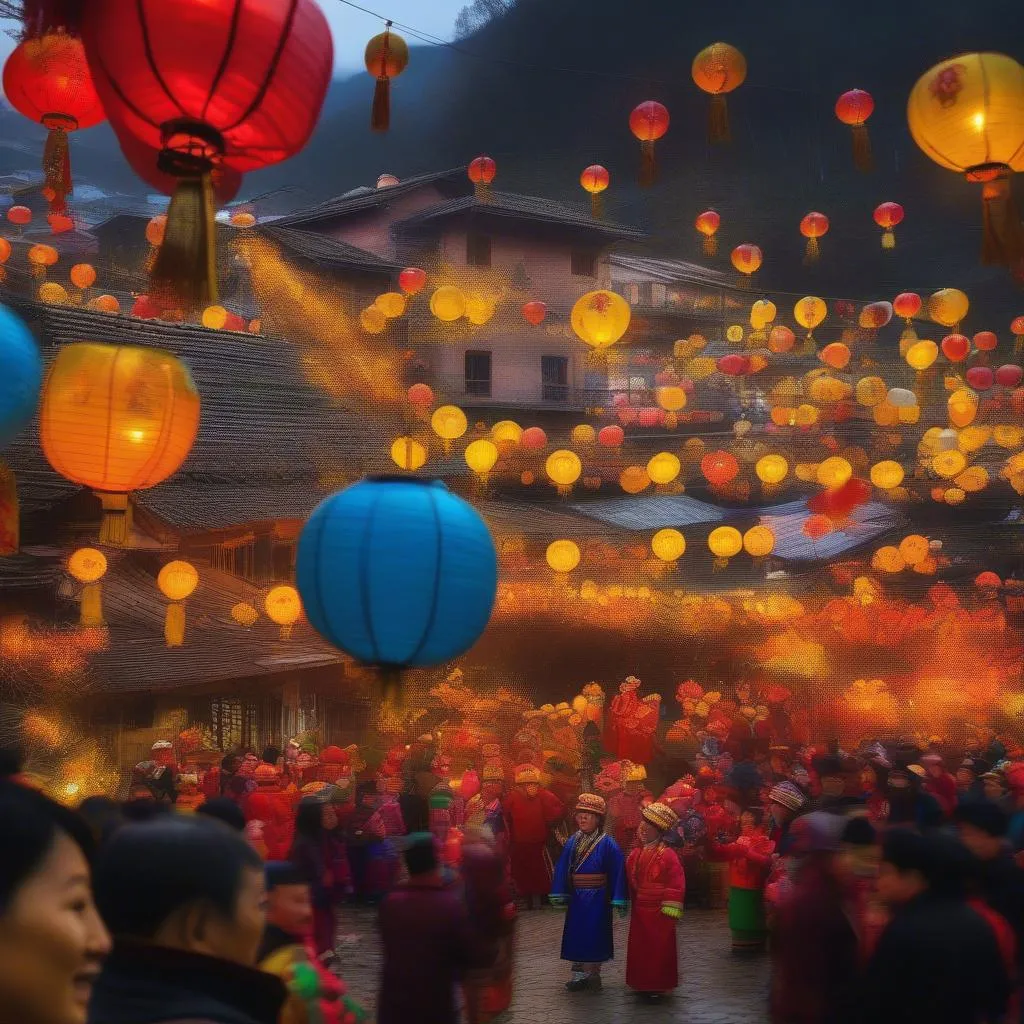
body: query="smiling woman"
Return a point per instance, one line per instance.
(52, 941)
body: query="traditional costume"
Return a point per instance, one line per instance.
(590, 879)
(530, 811)
(749, 858)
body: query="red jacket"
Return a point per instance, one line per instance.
(749, 859)
(530, 817)
(276, 809)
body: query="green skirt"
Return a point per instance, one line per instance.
(746, 914)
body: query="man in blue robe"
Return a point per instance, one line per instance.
(589, 881)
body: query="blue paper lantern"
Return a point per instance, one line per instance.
(21, 375)
(397, 572)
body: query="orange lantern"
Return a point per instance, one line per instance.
(719, 69)
(155, 229)
(482, 171)
(648, 122)
(20, 216)
(887, 216)
(534, 312)
(594, 180)
(854, 108)
(411, 280)
(41, 257)
(707, 224)
(83, 275)
(812, 227)
(836, 355)
(719, 468)
(747, 259)
(387, 56)
(781, 339)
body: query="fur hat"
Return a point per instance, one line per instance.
(660, 816)
(592, 804)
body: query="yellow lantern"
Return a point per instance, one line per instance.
(88, 566)
(372, 320)
(115, 419)
(954, 496)
(506, 433)
(1006, 435)
(391, 304)
(283, 607)
(583, 434)
(809, 312)
(805, 415)
(407, 453)
(771, 469)
(758, 541)
(949, 463)
(563, 468)
(53, 293)
(962, 406)
(834, 472)
(871, 391)
(888, 559)
(600, 318)
(177, 581)
(481, 456)
(480, 308)
(829, 389)
(921, 355)
(244, 614)
(563, 555)
(668, 545)
(725, 542)
(448, 303)
(948, 306)
(634, 479)
(887, 474)
(762, 313)
(671, 398)
(663, 468)
(972, 439)
(214, 317)
(914, 549)
(972, 479)
(734, 333)
(449, 423)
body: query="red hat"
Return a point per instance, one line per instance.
(265, 775)
(334, 755)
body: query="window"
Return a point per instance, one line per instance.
(583, 264)
(478, 374)
(478, 250)
(554, 375)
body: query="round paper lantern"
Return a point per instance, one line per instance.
(177, 580)
(634, 479)
(87, 565)
(244, 614)
(583, 434)
(448, 303)
(372, 320)
(907, 305)
(813, 226)
(1017, 327)
(717, 70)
(563, 555)
(922, 354)
(949, 463)
(534, 312)
(19, 216)
(875, 315)
(887, 216)
(887, 474)
(104, 304)
(391, 304)
(781, 339)
(707, 224)
(854, 108)
(987, 581)
(981, 378)
(985, 341)
(600, 318)
(648, 121)
(611, 436)
(563, 468)
(397, 573)
(534, 438)
(420, 395)
(411, 280)
(762, 313)
(214, 318)
(758, 541)
(967, 114)
(482, 171)
(809, 312)
(671, 398)
(83, 275)
(888, 559)
(408, 453)
(506, 433)
(871, 391)
(594, 180)
(733, 365)
(734, 333)
(956, 347)
(834, 472)
(52, 293)
(747, 259)
(948, 306)
(449, 423)
(243, 219)
(201, 84)
(22, 375)
(386, 57)
(719, 468)
(725, 542)
(1009, 376)
(663, 468)
(836, 355)
(283, 606)
(481, 455)
(41, 257)
(914, 549)
(116, 418)
(962, 406)
(480, 307)
(771, 469)
(668, 545)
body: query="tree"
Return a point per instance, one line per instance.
(479, 13)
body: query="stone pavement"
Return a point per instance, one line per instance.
(716, 988)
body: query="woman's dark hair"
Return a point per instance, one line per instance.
(420, 854)
(309, 821)
(150, 870)
(223, 808)
(29, 825)
(271, 754)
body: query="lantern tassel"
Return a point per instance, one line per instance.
(710, 245)
(91, 613)
(718, 120)
(813, 252)
(116, 525)
(648, 166)
(596, 205)
(862, 158)
(57, 168)
(1002, 241)
(380, 117)
(174, 624)
(185, 268)
(888, 239)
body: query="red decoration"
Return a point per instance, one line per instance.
(839, 502)
(1009, 375)
(1018, 331)
(812, 227)
(534, 312)
(533, 438)
(386, 57)
(981, 378)
(985, 341)
(987, 581)
(594, 180)
(19, 215)
(145, 308)
(781, 339)
(651, 416)
(907, 305)
(887, 216)
(719, 468)
(611, 436)
(420, 395)
(956, 347)
(648, 122)
(733, 365)
(411, 280)
(482, 171)
(707, 224)
(854, 108)
(818, 526)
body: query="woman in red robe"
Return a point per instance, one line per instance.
(657, 886)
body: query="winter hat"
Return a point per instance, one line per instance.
(660, 816)
(527, 774)
(592, 804)
(265, 775)
(788, 795)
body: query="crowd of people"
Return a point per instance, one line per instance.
(883, 882)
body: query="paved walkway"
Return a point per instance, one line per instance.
(716, 988)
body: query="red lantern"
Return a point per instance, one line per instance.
(985, 341)
(534, 312)
(987, 581)
(421, 396)
(19, 215)
(145, 308)
(707, 224)
(235, 81)
(733, 365)
(854, 108)
(1018, 333)
(719, 468)
(411, 280)
(387, 56)
(812, 227)
(611, 436)
(1009, 375)
(818, 526)
(594, 180)
(955, 347)
(482, 171)
(981, 378)
(887, 216)
(534, 438)
(47, 79)
(781, 339)
(747, 259)
(648, 122)
(651, 416)
(875, 315)
(907, 305)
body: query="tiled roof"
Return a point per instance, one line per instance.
(670, 271)
(328, 253)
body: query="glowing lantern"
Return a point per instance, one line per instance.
(177, 582)
(734, 333)
(948, 306)
(707, 224)
(954, 496)
(887, 216)
(214, 317)
(967, 114)
(482, 171)
(914, 549)
(809, 312)
(871, 391)
(649, 122)
(668, 545)
(907, 305)
(244, 614)
(971, 439)
(448, 303)
(611, 436)
(781, 339)
(594, 180)
(972, 479)
(922, 354)
(987, 581)
(985, 341)
(449, 423)
(407, 453)
(888, 559)
(717, 70)
(243, 219)
(836, 355)
(83, 275)
(583, 434)
(901, 398)
(372, 320)
(981, 378)
(663, 468)
(1007, 435)
(817, 526)
(534, 312)
(52, 293)
(854, 108)
(812, 227)
(421, 396)
(506, 433)
(758, 541)
(962, 406)
(534, 438)
(875, 315)
(887, 474)
(283, 607)
(725, 542)
(387, 56)
(1017, 327)
(771, 469)
(563, 555)
(600, 318)
(747, 259)
(762, 313)
(956, 347)
(41, 257)
(719, 468)
(634, 479)
(391, 304)
(19, 216)
(563, 468)
(104, 304)
(1009, 375)
(733, 365)
(481, 456)
(834, 472)
(411, 280)
(117, 419)
(949, 463)
(88, 566)
(671, 398)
